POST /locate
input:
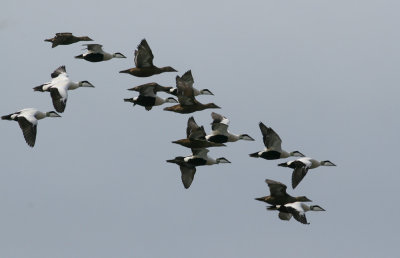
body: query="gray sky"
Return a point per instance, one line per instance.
(323, 74)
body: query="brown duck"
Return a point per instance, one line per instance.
(187, 102)
(66, 38)
(279, 196)
(196, 137)
(144, 63)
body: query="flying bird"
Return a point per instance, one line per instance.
(59, 87)
(148, 95)
(95, 53)
(144, 62)
(66, 38)
(220, 133)
(279, 196)
(301, 166)
(187, 102)
(195, 137)
(273, 149)
(188, 164)
(28, 119)
(297, 210)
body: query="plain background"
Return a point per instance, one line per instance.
(323, 74)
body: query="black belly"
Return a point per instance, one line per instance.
(270, 155)
(145, 101)
(94, 57)
(218, 139)
(197, 162)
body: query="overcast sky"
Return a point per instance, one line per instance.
(323, 74)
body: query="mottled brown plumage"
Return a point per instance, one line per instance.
(196, 137)
(279, 196)
(144, 63)
(66, 38)
(187, 102)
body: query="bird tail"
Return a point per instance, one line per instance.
(254, 155)
(79, 57)
(124, 71)
(129, 100)
(38, 88)
(7, 117)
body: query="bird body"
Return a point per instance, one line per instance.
(297, 210)
(95, 54)
(28, 119)
(220, 133)
(144, 62)
(59, 86)
(301, 166)
(187, 102)
(273, 149)
(66, 38)
(278, 194)
(148, 95)
(196, 92)
(195, 137)
(188, 164)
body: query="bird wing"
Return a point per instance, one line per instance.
(271, 138)
(276, 188)
(193, 131)
(58, 71)
(151, 86)
(187, 175)
(217, 118)
(300, 216)
(63, 34)
(185, 90)
(29, 130)
(143, 55)
(298, 174)
(201, 153)
(284, 215)
(59, 95)
(219, 128)
(94, 47)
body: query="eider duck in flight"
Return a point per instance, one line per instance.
(95, 53)
(59, 86)
(188, 164)
(301, 166)
(148, 95)
(220, 133)
(278, 195)
(187, 102)
(195, 137)
(144, 62)
(27, 119)
(66, 38)
(297, 210)
(273, 149)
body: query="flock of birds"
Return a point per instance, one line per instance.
(196, 138)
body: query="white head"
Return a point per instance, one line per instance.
(52, 114)
(327, 163)
(170, 100)
(222, 160)
(316, 208)
(85, 84)
(245, 137)
(206, 92)
(296, 154)
(118, 55)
